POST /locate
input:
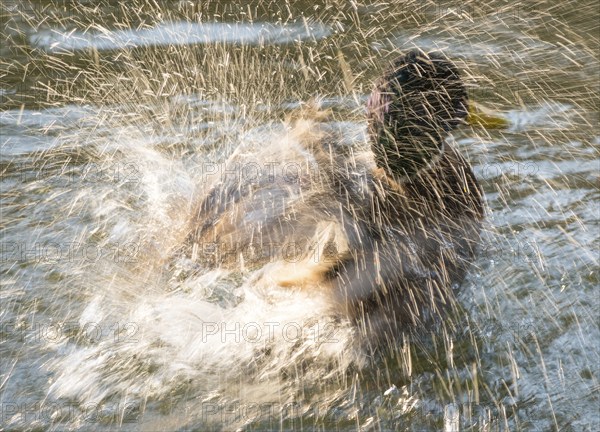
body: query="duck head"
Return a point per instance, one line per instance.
(412, 108)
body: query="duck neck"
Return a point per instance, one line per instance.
(402, 158)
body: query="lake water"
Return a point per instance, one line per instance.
(114, 119)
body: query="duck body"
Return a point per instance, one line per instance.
(384, 246)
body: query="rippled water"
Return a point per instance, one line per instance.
(115, 119)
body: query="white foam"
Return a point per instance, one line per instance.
(179, 33)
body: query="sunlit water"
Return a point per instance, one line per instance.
(116, 120)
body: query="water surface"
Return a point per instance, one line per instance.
(116, 118)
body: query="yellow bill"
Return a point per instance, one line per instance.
(485, 117)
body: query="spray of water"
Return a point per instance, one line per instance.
(117, 122)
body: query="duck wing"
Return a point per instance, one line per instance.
(286, 212)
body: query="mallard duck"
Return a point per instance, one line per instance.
(386, 230)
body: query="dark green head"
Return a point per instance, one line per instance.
(413, 107)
